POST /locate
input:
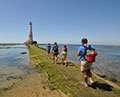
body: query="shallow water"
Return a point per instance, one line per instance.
(107, 62)
(13, 65)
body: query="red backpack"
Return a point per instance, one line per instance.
(89, 54)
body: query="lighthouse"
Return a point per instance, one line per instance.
(30, 36)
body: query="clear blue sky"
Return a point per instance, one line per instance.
(64, 21)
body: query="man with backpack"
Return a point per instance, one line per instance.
(55, 50)
(88, 54)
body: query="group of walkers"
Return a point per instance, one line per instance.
(87, 55)
(55, 50)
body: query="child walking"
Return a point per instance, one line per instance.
(48, 50)
(64, 55)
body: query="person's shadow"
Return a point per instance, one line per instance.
(102, 86)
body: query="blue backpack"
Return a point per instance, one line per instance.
(55, 48)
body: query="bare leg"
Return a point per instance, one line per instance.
(53, 58)
(90, 76)
(62, 62)
(47, 55)
(85, 78)
(56, 59)
(66, 62)
(91, 81)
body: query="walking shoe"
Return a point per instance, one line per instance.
(86, 85)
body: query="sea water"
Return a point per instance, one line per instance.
(107, 62)
(13, 65)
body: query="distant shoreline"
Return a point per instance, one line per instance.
(11, 43)
(61, 44)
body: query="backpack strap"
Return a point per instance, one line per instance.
(55, 48)
(85, 51)
(89, 47)
(86, 48)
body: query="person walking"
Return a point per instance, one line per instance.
(64, 55)
(88, 54)
(55, 50)
(48, 50)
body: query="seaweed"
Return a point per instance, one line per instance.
(23, 53)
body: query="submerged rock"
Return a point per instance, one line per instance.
(23, 53)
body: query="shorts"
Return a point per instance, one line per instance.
(64, 57)
(55, 53)
(48, 52)
(85, 66)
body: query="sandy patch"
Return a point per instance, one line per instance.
(31, 87)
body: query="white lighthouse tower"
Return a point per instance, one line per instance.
(30, 36)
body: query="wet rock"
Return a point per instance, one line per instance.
(23, 53)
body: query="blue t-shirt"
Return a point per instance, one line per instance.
(48, 48)
(81, 50)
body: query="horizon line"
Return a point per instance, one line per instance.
(63, 43)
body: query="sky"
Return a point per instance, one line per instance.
(62, 21)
